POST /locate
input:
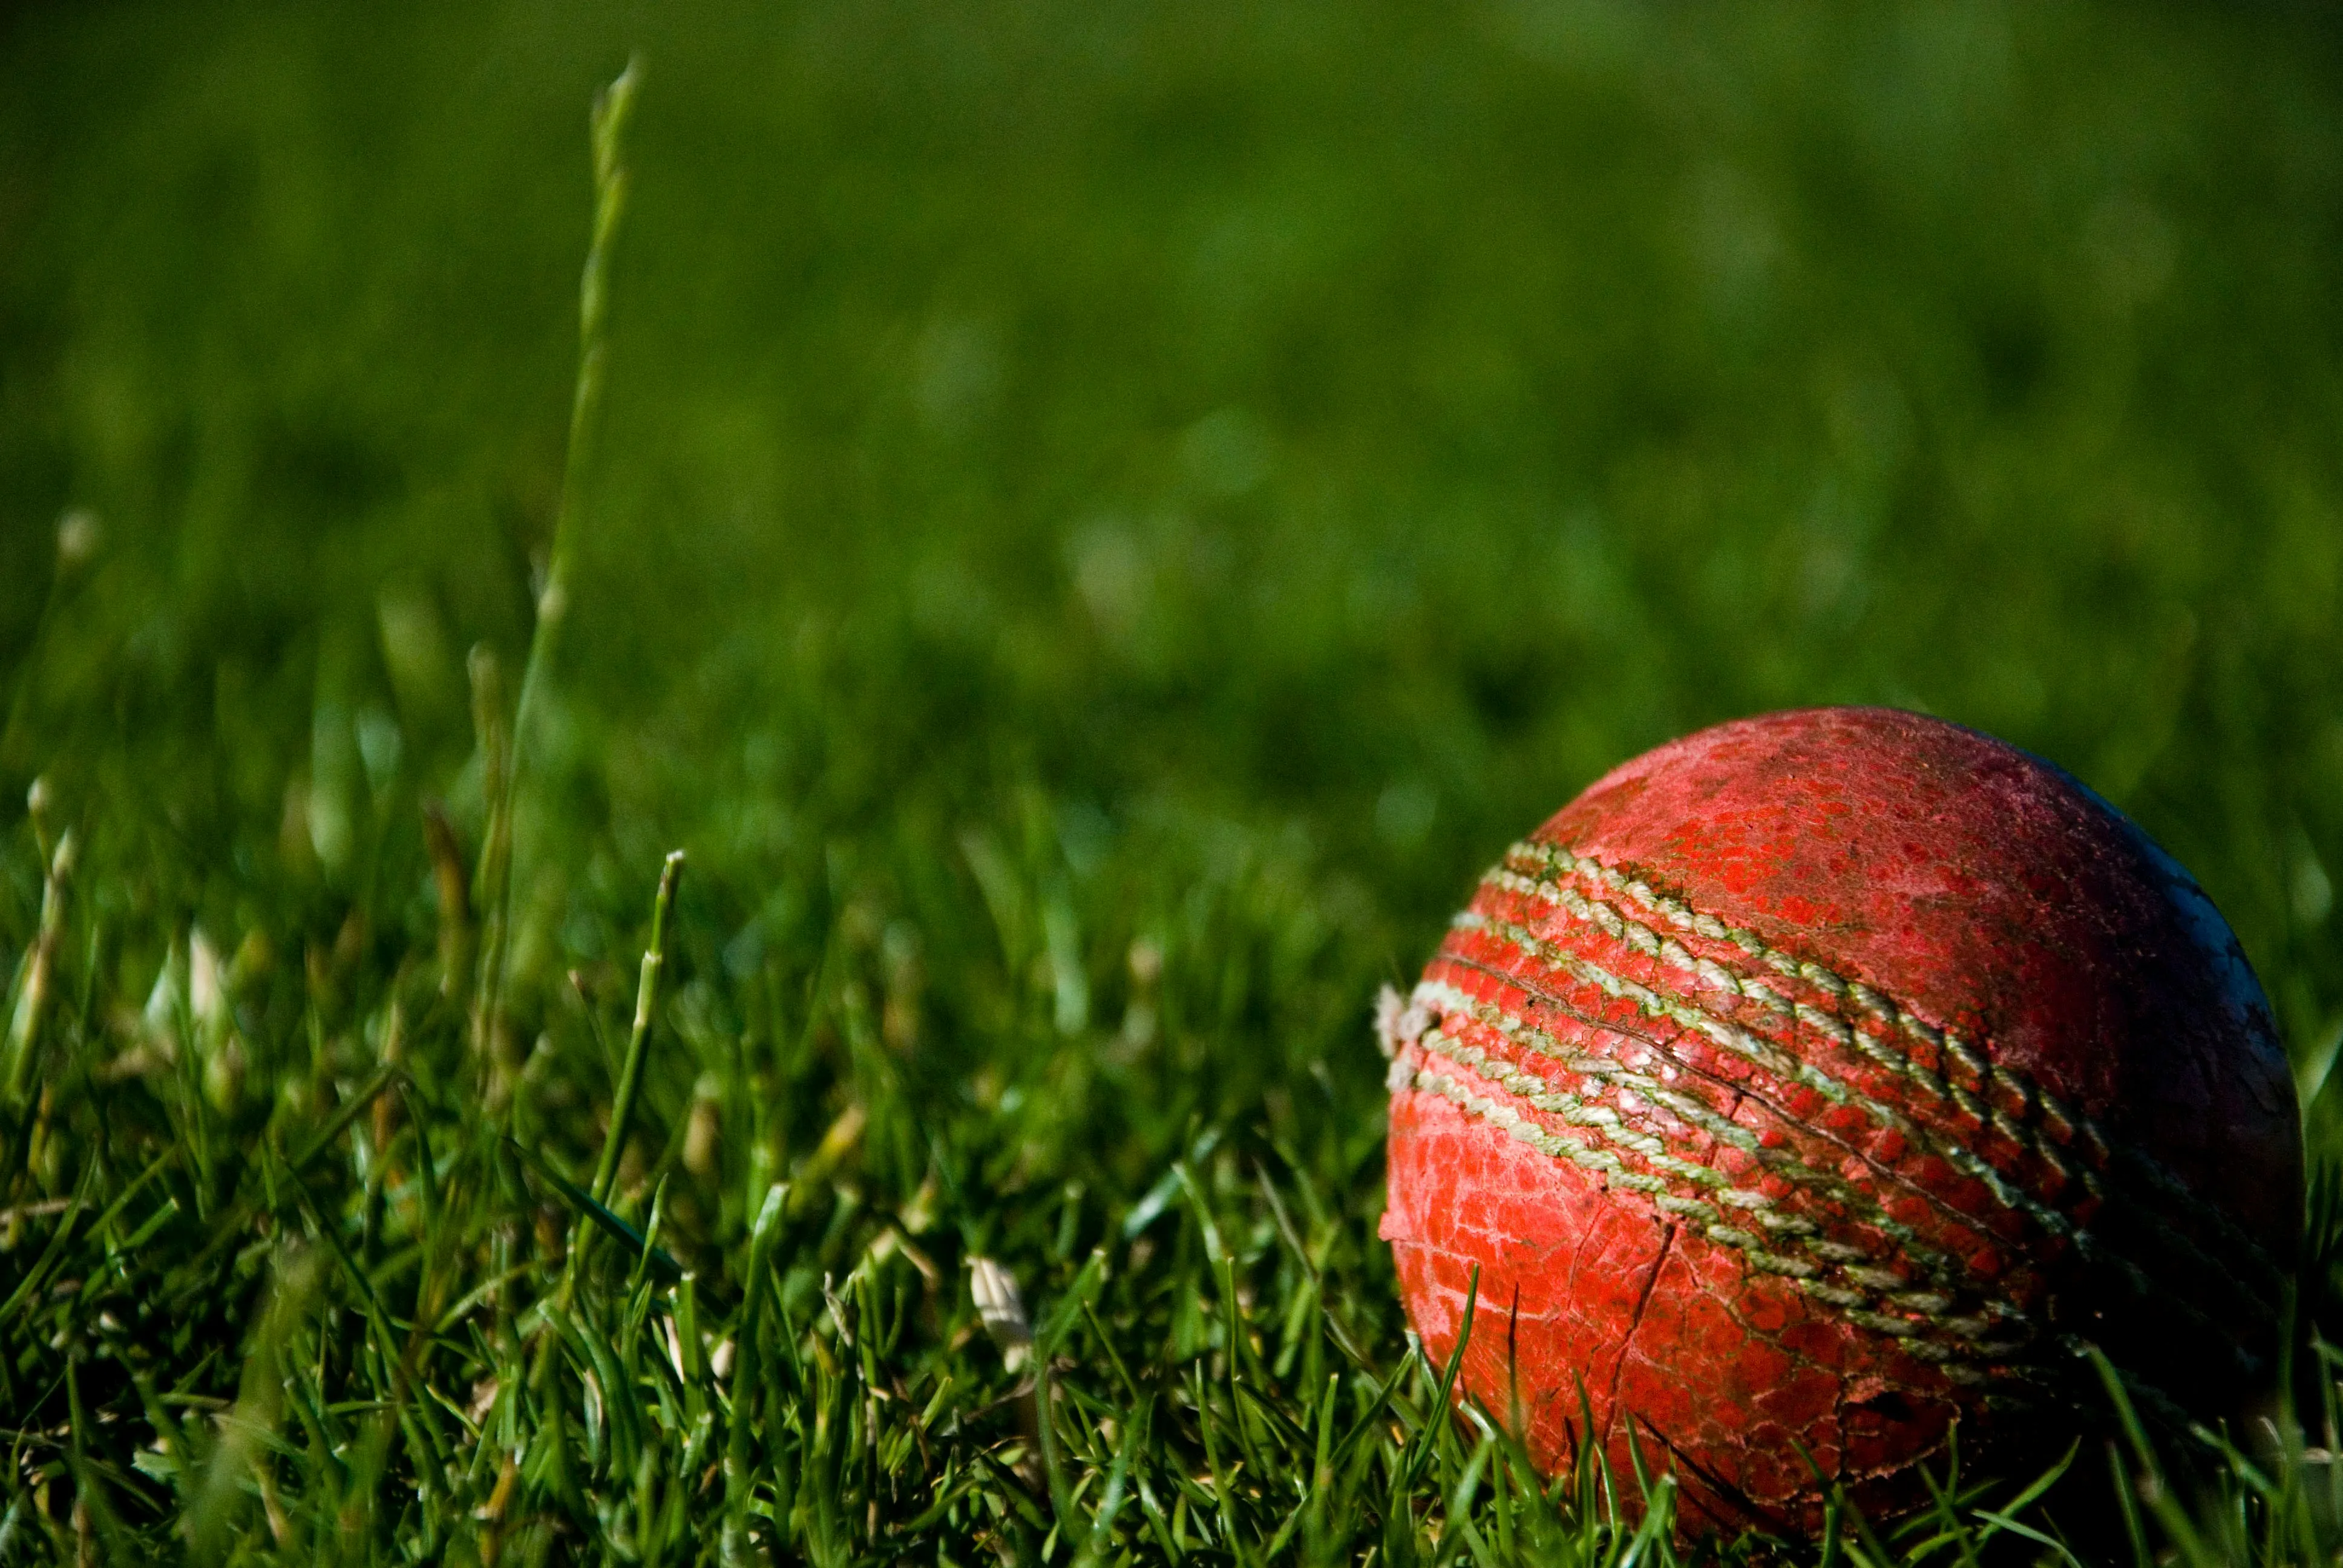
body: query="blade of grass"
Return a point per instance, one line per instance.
(612, 111)
(2169, 1512)
(669, 1272)
(630, 1072)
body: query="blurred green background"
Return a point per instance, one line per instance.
(1323, 434)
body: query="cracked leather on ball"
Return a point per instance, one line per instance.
(1825, 1079)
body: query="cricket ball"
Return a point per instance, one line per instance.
(1820, 1088)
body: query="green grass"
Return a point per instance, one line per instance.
(1103, 520)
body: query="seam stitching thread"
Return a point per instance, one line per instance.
(2061, 1123)
(2060, 1120)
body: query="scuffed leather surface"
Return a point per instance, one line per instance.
(1985, 892)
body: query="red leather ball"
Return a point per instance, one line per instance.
(1832, 1080)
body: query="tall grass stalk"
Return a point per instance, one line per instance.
(612, 108)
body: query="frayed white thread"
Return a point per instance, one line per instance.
(1400, 1021)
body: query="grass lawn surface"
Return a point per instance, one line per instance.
(1090, 524)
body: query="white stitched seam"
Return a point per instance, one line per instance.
(1791, 1069)
(1990, 1078)
(1857, 1306)
(1858, 1265)
(2063, 1122)
(1947, 1358)
(1689, 1108)
(1783, 1065)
